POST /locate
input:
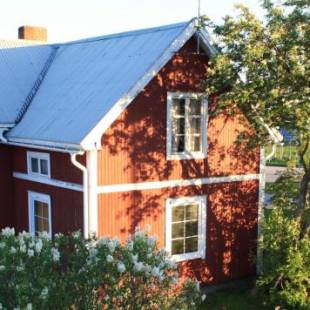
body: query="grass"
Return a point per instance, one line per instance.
(238, 298)
(283, 155)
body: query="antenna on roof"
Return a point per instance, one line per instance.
(198, 25)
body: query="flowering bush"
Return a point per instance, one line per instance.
(70, 272)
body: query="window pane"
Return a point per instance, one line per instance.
(195, 107)
(45, 211)
(194, 143)
(45, 225)
(191, 229)
(39, 226)
(179, 126)
(195, 125)
(34, 165)
(38, 209)
(178, 214)
(178, 230)
(177, 247)
(191, 244)
(178, 107)
(44, 166)
(191, 212)
(178, 144)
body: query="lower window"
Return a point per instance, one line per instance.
(186, 227)
(39, 208)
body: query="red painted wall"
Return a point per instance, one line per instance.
(6, 187)
(231, 225)
(66, 205)
(134, 150)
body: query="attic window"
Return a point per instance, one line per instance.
(186, 126)
(38, 164)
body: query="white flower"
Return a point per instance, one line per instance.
(134, 257)
(13, 250)
(39, 246)
(1, 307)
(151, 241)
(23, 248)
(55, 255)
(121, 267)
(203, 297)
(45, 235)
(20, 268)
(130, 245)
(93, 252)
(44, 293)
(103, 241)
(29, 306)
(8, 231)
(1, 269)
(138, 266)
(111, 246)
(156, 272)
(76, 235)
(2, 245)
(30, 253)
(110, 258)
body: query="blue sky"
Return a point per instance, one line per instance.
(74, 19)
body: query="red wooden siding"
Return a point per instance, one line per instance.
(134, 148)
(6, 188)
(61, 166)
(231, 224)
(66, 205)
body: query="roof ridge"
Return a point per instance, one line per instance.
(36, 85)
(125, 33)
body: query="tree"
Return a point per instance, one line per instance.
(263, 69)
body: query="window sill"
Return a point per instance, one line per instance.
(187, 156)
(187, 256)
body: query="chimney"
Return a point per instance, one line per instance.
(32, 33)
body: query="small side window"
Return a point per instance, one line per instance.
(38, 164)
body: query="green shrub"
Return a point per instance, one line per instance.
(72, 273)
(286, 261)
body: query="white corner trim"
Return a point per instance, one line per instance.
(105, 189)
(92, 140)
(260, 214)
(202, 226)
(32, 197)
(91, 164)
(204, 126)
(48, 181)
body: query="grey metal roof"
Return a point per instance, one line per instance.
(84, 81)
(20, 65)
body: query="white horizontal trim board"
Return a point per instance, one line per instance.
(48, 181)
(105, 189)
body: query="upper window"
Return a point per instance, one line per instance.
(186, 126)
(39, 208)
(38, 164)
(186, 227)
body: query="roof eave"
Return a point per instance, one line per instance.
(93, 139)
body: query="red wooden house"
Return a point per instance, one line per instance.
(110, 133)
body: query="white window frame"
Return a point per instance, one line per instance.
(202, 226)
(39, 156)
(32, 197)
(204, 124)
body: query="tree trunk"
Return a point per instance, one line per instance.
(302, 201)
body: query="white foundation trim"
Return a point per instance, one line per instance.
(47, 181)
(105, 189)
